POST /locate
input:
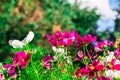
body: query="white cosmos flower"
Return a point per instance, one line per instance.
(109, 57)
(58, 50)
(109, 73)
(112, 74)
(20, 44)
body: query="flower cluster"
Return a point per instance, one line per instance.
(20, 61)
(46, 61)
(84, 56)
(96, 61)
(61, 39)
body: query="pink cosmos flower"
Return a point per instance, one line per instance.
(10, 67)
(113, 66)
(85, 40)
(91, 54)
(61, 39)
(21, 58)
(81, 72)
(80, 55)
(117, 53)
(2, 77)
(13, 76)
(94, 67)
(11, 70)
(46, 61)
(68, 38)
(103, 44)
(55, 40)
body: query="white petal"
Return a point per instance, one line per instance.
(109, 73)
(54, 48)
(16, 43)
(60, 50)
(28, 38)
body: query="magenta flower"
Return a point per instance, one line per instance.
(102, 45)
(55, 40)
(13, 76)
(61, 39)
(85, 40)
(68, 38)
(113, 66)
(11, 70)
(10, 67)
(46, 61)
(91, 54)
(78, 40)
(81, 72)
(80, 55)
(89, 39)
(117, 53)
(94, 67)
(21, 58)
(2, 77)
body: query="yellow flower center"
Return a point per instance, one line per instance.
(110, 65)
(23, 60)
(79, 74)
(117, 43)
(92, 67)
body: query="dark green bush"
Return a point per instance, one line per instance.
(18, 17)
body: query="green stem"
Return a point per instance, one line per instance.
(19, 73)
(34, 68)
(88, 52)
(66, 50)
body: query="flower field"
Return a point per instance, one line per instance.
(60, 40)
(72, 57)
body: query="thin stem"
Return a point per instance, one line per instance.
(34, 68)
(88, 52)
(19, 73)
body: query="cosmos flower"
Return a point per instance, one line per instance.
(81, 72)
(102, 45)
(10, 67)
(113, 65)
(58, 50)
(21, 58)
(94, 67)
(46, 61)
(20, 44)
(61, 39)
(112, 74)
(85, 40)
(2, 77)
(11, 70)
(117, 53)
(109, 57)
(80, 55)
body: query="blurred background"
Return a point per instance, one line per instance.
(18, 17)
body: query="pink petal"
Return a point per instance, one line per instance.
(11, 70)
(6, 65)
(13, 76)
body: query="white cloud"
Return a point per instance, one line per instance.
(102, 7)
